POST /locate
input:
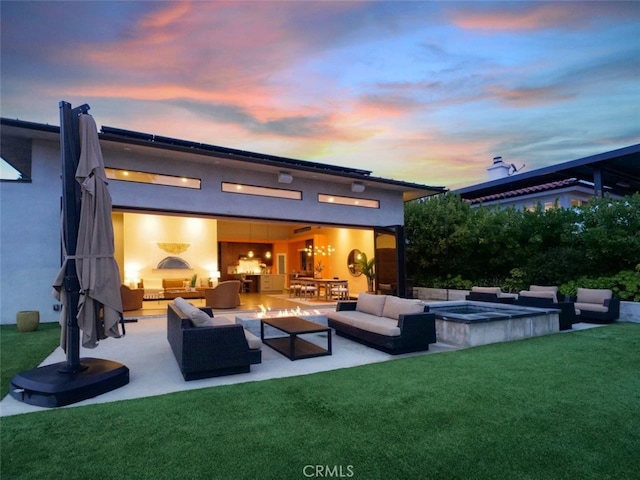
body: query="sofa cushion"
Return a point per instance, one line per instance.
(495, 290)
(365, 321)
(543, 288)
(193, 313)
(593, 295)
(254, 342)
(370, 303)
(590, 307)
(395, 306)
(539, 294)
(173, 283)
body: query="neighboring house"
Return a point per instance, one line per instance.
(615, 174)
(169, 193)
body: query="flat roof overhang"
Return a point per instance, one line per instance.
(617, 170)
(116, 140)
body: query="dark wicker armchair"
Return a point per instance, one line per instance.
(212, 351)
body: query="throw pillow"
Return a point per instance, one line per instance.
(197, 316)
(369, 303)
(395, 306)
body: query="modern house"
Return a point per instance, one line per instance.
(184, 208)
(615, 173)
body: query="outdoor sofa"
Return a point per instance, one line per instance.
(547, 297)
(385, 322)
(207, 346)
(490, 294)
(597, 305)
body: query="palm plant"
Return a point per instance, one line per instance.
(367, 267)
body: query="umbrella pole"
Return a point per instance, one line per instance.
(71, 201)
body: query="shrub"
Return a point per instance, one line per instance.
(625, 285)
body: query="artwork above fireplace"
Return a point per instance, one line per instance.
(173, 263)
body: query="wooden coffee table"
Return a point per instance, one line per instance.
(292, 346)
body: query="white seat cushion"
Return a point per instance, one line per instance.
(539, 294)
(495, 290)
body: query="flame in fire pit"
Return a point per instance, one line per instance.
(267, 313)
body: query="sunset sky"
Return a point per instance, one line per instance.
(421, 91)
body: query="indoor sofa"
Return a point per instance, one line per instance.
(175, 288)
(391, 324)
(597, 305)
(207, 346)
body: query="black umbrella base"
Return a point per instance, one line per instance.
(48, 387)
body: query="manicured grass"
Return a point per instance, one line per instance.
(21, 351)
(565, 406)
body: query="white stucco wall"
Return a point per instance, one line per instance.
(30, 215)
(210, 198)
(30, 240)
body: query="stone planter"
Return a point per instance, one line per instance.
(629, 312)
(28, 321)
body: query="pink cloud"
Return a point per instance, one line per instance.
(539, 15)
(529, 97)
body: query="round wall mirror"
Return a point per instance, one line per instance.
(352, 262)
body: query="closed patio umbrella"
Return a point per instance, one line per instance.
(100, 306)
(88, 284)
(100, 303)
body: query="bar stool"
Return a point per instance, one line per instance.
(246, 284)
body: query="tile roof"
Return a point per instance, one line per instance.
(527, 190)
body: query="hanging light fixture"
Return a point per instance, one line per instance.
(250, 253)
(267, 254)
(319, 251)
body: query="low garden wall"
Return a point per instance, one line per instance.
(629, 311)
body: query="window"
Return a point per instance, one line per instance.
(152, 178)
(261, 191)
(350, 201)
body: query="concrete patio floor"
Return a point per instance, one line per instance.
(154, 370)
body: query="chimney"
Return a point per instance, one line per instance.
(499, 169)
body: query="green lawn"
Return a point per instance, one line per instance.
(565, 406)
(24, 350)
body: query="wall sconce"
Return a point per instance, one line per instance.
(357, 187)
(267, 254)
(285, 177)
(214, 275)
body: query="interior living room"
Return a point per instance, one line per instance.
(201, 251)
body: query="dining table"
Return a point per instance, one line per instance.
(324, 283)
